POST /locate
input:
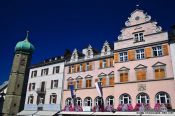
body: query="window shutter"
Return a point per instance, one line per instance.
(30, 87)
(80, 83)
(111, 80)
(107, 63)
(75, 68)
(121, 77)
(156, 73)
(100, 65)
(116, 57)
(32, 99)
(131, 54)
(126, 77)
(111, 62)
(165, 49)
(78, 67)
(162, 73)
(90, 65)
(83, 66)
(55, 99)
(148, 52)
(51, 84)
(104, 81)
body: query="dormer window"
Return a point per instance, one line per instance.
(138, 37)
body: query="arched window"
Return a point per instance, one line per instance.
(162, 97)
(98, 101)
(110, 100)
(143, 98)
(78, 101)
(68, 101)
(88, 101)
(125, 99)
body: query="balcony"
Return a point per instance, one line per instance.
(41, 90)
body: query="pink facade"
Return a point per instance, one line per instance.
(142, 67)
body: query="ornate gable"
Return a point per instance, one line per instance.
(106, 50)
(88, 52)
(74, 56)
(138, 22)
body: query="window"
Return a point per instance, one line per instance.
(53, 98)
(123, 56)
(124, 76)
(88, 83)
(30, 99)
(69, 69)
(98, 101)
(159, 72)
(111, 80)
(34, 73)
(73, 70)
(157, 51)
(89, 53)
(138, 37)
(104, 63)
(125, 99)
(143, 98)
(81, 67)
(88, 101)
(79, 83)
(110, 100)
(41, 99)
(54, 84)
(141, 74)
(68, 101)
(56, 69)
(87, 66)
(140, 54)
(44, 71)
(162, 98)
(31, 86)
(78, 101)
(105, 49)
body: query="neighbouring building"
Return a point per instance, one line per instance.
(17, 84)
(44, 90)
(3, 90)
(138, 70)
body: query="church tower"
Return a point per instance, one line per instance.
(16, 91)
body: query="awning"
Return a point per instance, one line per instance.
(26, 113)
(45, 113)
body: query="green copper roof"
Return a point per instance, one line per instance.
(24, 46)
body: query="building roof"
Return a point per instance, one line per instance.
(3, 85)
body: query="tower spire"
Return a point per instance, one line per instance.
(27, 35)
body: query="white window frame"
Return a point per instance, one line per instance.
(86, 100)
(166, 96)
(123, 56)
(55, 83)
(109, 99)
(34, 74)
(138, 37)
(158, 50)
(33, 86)
(78, 101)
(140, 54)
(68, 101)
(141, 96)
(31, 97)
(123, 98)
(45, 71)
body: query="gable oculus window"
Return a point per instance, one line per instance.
(140, 54)
(138, 37)
(157, 51)
(123, 56)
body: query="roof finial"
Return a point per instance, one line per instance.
(27, 35)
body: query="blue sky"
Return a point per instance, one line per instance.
(55, 25)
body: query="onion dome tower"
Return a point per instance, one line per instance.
(16, 90)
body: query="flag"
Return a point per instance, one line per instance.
(72, 89)
(99, 88)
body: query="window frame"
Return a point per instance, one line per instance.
(139, 38)
(159, 51)
(141, 54)
(123, 56)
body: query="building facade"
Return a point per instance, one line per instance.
(138, 71)
(44, 90)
